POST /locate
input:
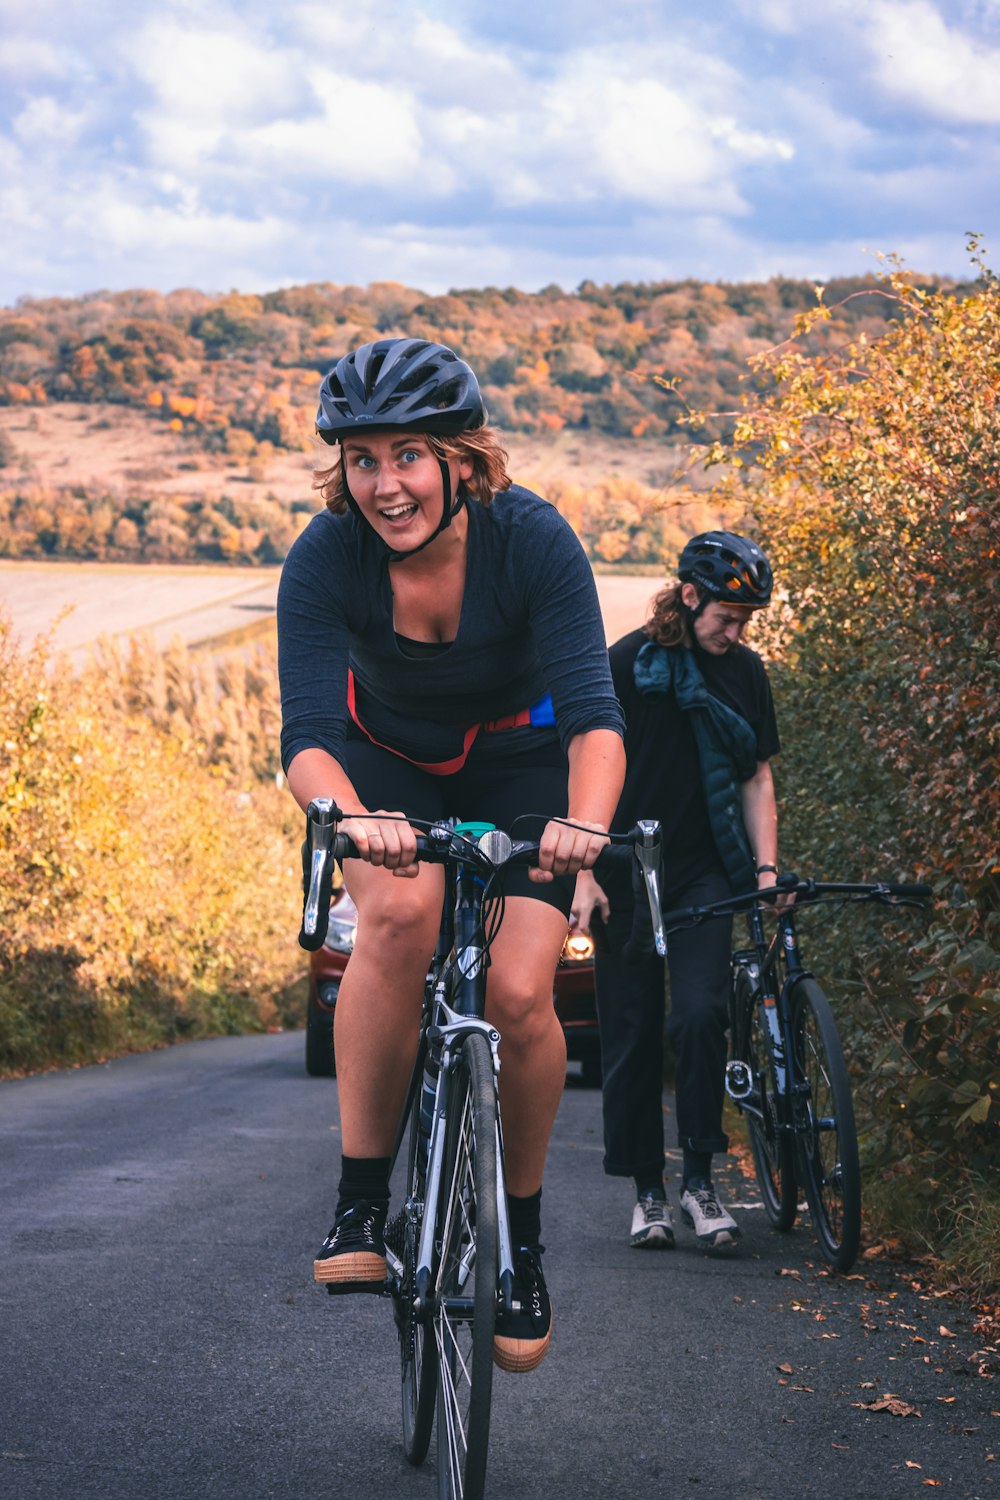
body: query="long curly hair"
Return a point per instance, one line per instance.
(482, 445)
(666, 624)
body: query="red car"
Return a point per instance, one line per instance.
(573, 994)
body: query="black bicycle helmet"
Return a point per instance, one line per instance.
(404, 383)
(728, 567)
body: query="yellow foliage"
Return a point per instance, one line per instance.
(148, 876)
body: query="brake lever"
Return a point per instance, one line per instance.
(321, 817)
(647, 850)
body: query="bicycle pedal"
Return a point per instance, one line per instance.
(349, 1288)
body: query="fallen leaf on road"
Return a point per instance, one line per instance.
(891, 1404)
(911, 1465)
(931, 1481)
(946, 1333)
(785, 1272)
(786, 1369)
(946, 1399)
(807, 1388)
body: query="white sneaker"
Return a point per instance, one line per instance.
(710, 1221)
(651, 1226)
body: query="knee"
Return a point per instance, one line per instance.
(693, 1023)
(399, 930)
(520, 1010)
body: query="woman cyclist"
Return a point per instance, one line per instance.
(441, 652)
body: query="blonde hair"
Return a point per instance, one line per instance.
(481, 445)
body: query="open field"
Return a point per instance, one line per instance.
(195, 604)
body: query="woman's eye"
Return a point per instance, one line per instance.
(410, 455)
(362, 461)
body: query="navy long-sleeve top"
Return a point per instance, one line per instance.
(530, 624)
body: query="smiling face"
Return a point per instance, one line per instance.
(395, 479)
(720, 626)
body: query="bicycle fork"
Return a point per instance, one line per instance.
(447, 1036)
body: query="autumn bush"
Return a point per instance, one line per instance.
(147, 858)
(873, 470)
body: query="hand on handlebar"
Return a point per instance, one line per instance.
(384, 839)
(766, 880)
(565, 849)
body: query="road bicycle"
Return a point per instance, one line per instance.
(786, 1070)
(448, 1250)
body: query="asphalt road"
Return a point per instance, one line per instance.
(161, 1336)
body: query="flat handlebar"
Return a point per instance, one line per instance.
(806, 893)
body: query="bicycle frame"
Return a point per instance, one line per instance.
(772, 967)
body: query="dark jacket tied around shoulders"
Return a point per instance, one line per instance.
(727, 750)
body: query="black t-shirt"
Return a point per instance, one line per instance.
(664, 778)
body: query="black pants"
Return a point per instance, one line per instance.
(630, 1000)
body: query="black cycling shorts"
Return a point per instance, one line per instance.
(518, 789)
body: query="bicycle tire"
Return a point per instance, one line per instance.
(466, 1283)
(764, 1110)
(826, 1134)
(417, 1350)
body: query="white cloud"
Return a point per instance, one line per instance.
(937, 67)
(28, 58)
(44, 121)
(210, 76)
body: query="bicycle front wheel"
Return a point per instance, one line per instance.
(417, 1352)
(466, 1287)
(764, 1109)
(826, 1134)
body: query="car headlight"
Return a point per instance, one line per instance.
(340, 934)
(578, 948)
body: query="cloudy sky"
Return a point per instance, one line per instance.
(490, 142)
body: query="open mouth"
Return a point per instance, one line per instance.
(399, 514)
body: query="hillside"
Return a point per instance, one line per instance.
(137, 426)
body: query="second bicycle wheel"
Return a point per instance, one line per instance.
(466, 1289)
(763, 1109)
(828, 1142)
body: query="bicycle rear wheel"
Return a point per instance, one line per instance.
(466, 1289)
(826, 1134)
(764, 1109)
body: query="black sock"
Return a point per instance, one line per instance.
(525, 1221)
(697, 1164)
(652, 1186)
(363, 1179)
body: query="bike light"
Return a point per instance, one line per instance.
(577, 948)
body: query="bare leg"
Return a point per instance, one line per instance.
(378, 1009)
(532, 1049)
